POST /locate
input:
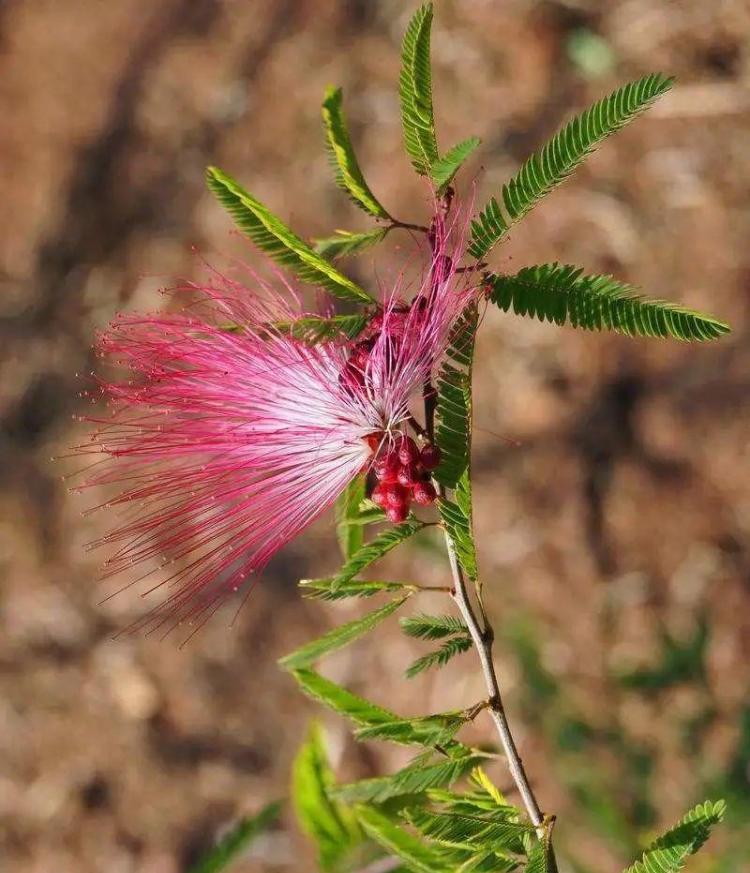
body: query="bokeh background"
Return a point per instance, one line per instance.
(612, 498)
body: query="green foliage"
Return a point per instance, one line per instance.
(433, 627)
(412, 779)
(561, 293)
(398, 842)
(315, 329)
(237, 840)
(348, 174)
(538, 860)
(668, 853)
(444, 169)
(454, 411)
(378, 723)
(351, 536)
(456, 516)
(415, 87)
(332, 826)
(440, 657)
(427, 730)
(337, 698)
(327, 589)
(471, 830)
(339, 636)
(369, 553)
(345, 243)
(269, 233)
(547, 168)
(436, 627)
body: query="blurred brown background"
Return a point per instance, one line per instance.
(613, 504)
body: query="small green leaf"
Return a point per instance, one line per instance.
(454, 409)
(444, 169)
(538, 861)
(269, 233)
(339, 636)
(369, 553)
(440, 657)
(415, 87)
(428, 730)
(668, 853)
(433, 627)
(396, 841)
(547, 168)
(328, 589)
(470, 831)
(332, 827)
(413, 779)
(237, 840)
(348, 174)
(359, 710)
(561, 293)
(345, 243)
(351, 536)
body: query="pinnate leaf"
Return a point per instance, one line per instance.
(415, 88)
(444, 169)
(348, 174)
(339, 636)
(562, 293)
(344, 243)
(433, 627)
(270, 233)
(376, 548)
(396, 841)
(413, 779)
(669, 852)
(550, 166)
(440, 657)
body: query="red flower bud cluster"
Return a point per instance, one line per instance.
(403, 474)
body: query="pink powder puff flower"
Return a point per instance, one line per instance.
(227, 437)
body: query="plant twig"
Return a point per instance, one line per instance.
(483, 638)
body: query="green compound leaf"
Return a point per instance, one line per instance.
(332, 827)
(337, 698)
(454, 411)
(345, 243)
(351, 536)
(470, 831)
(561, 293)
(538, 861)
(381, 545)
(546, 169)
(237, 840)
(440, 657)
(313, 329)
(417, 856)
(444, 169)
(428, 730)
(374, 721)
(339, 636)
(415, 88)
(413, 779)
(433, 627)
(269, 233)
(348, 174)
(668, 853)
(326, 589)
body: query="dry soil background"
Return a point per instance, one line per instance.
(613, 508)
